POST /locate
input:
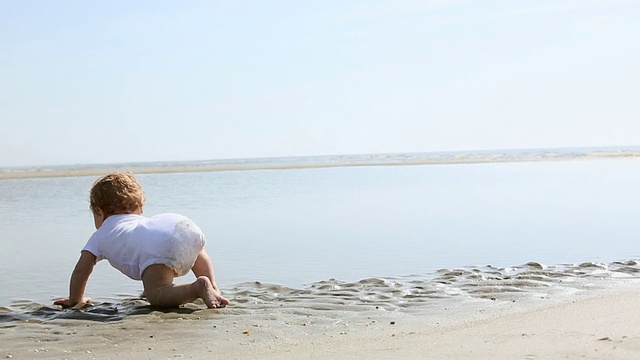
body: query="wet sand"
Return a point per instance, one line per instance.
(531, 311)
(598, 325)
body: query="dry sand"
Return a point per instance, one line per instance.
(598, 324)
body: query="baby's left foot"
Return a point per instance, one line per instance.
(211, 297)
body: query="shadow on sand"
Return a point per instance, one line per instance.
(102, 312)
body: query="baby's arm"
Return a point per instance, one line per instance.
(79, 279)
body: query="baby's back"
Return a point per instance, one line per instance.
(132, 242)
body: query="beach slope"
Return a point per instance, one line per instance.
(600, 325)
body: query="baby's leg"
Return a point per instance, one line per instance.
(204, 267)
(161, 291)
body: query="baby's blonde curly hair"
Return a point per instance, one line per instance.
(116, 193)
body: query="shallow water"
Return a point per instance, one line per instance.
(301, 230)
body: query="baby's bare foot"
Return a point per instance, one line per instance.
(211, 297)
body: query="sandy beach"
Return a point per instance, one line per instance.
(437, 179)
(599, 324)
(585, 309)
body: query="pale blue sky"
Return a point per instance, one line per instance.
(121, 81)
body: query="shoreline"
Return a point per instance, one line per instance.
(598, 323)
(320, 162)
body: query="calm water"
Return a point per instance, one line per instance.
(295, 227)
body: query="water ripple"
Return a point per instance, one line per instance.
(389, 294)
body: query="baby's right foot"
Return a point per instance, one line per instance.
(211, 297)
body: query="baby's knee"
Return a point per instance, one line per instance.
(159, 296)
(203, 282)
(152, 295)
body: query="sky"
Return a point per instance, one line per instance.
(92, 82)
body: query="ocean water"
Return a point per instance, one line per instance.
(306, 228)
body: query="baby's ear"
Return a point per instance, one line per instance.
(98, 211)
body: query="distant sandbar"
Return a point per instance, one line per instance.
(322, 162)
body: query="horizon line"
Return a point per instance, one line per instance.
(222, 159)
(327, 161)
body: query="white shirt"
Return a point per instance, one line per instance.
(133, 242)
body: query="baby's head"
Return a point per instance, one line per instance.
(116, 193)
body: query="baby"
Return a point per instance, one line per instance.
(154, 250)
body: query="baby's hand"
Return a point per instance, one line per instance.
(65, 303)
